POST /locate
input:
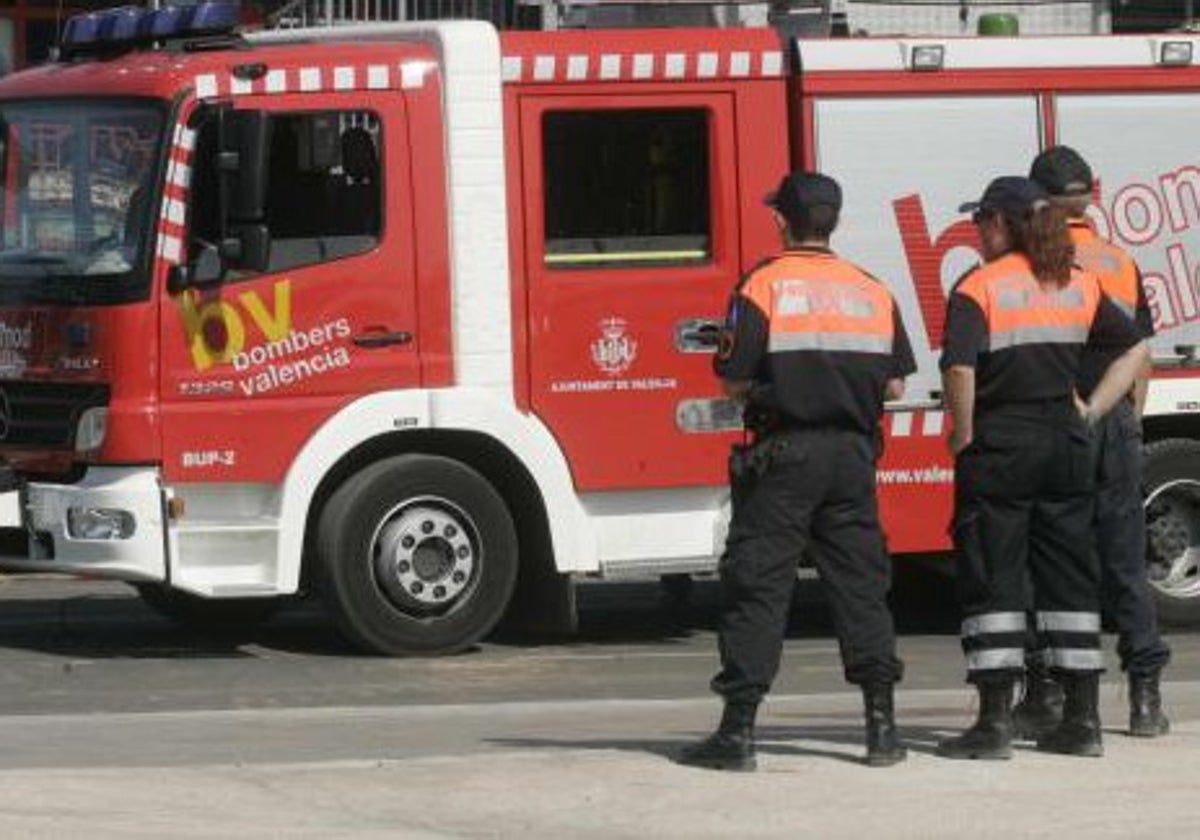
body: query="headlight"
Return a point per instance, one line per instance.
(93, 425)
(86, 523)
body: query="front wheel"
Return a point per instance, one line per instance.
(417, 554)
(1173, 528)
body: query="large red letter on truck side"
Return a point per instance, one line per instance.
(925, 257)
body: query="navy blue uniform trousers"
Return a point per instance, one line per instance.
(1120, 532)
(814, 491)
(1024, 502)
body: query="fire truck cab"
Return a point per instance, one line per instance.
(419, 317)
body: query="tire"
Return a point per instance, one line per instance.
(209, 616)
(1172, 477)
(417, 555)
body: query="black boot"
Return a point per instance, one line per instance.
(1079, 732)
(1146, 718)
(1040, 707)
(991, 735)
(731, 747)
(883, 744)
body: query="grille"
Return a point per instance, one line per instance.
(44, 415)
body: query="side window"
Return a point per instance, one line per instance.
(626, 188)
(324, 187)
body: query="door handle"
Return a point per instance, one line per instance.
(698, 335)
(373, 338)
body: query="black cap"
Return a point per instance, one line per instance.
(1062, 171)
(799, 192)
(1012, 195)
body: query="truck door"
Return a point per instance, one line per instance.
(253, 365)
(632, 250)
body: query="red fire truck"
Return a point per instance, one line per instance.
(419, 317)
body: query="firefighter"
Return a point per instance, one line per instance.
(1016, 331)
(813, 346)
(1119, 527)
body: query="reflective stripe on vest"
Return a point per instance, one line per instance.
(841, 342)
(1049, 334)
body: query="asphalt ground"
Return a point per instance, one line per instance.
(79, 646)
(113, 723)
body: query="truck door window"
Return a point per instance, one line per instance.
(626, 188)
(324, 187)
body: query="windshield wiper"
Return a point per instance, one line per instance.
(33, 258)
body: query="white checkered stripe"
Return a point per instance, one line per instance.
(173, 215)
(318, 79)
(642, 66)
(902, 424)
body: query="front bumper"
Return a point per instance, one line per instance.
(44, 543)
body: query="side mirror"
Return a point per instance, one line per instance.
(248, 247)
(205, 270)
(245, 143)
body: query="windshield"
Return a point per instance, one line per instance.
(75, 200)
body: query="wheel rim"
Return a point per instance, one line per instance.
(1173, 539)
(425, 556)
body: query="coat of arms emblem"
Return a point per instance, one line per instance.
(614, 351)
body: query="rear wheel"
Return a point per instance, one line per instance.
(1173, 528)
(207, 615)
(417, 555)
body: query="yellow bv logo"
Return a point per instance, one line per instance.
(204, 321)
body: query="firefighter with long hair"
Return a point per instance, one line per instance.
(1017, 328)
(1119, 527)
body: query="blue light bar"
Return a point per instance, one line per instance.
(129, 25)
(118, 26)
(81, 30)
(168, 21)
(213, 18)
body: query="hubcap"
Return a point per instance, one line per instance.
(1173, 539)
(425, 554)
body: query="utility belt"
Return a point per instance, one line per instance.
(767, 443)
(762, 424)
(1053, 410)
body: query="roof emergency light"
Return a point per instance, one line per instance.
(127, 26)
(926, 57)
(118, 26)
(1175, 53)
(168, 21)
(81, 30)
(213, 18)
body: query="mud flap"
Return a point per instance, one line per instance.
(543, 603)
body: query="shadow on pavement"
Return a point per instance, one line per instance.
(770, 740)
(110, 621)
(119, 626)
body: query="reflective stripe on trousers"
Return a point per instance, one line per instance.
(992, 641)
(1070, 641)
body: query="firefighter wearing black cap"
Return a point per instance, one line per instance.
(1016, 332)
(1119, 526)
(813, 345)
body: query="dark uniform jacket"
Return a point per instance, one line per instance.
(1027, 341)
(819, 338)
